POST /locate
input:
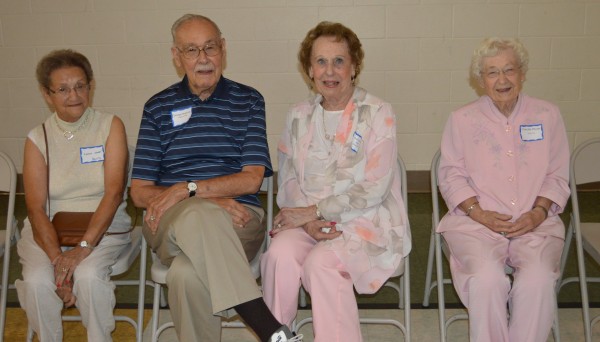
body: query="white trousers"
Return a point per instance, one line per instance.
(92, 287)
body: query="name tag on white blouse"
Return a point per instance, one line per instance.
(92, 154)
(532, 132)
(356, 142)
(181, 116)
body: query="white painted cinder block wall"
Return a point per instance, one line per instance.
(417, 56)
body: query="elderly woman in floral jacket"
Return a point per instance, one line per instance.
(342, 222)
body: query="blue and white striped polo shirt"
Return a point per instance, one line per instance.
(183, 138)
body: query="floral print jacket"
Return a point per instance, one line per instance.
(356, 183)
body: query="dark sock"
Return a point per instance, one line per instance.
(259, 318)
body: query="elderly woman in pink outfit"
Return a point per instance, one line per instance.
(504, 175)
(342, 222)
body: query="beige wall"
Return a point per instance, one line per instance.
(417, 55)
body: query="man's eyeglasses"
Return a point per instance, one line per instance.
(495, 73)
(192, 52)
(79, 88)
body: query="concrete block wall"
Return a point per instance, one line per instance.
(417, 56)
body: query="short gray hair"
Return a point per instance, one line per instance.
(191, 17)
(490, 47)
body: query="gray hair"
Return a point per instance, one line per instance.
(490, 47)
(59, 59)
(191, 17)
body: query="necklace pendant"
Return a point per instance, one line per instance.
(68, 135)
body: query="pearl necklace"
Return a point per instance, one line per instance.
(69, 135)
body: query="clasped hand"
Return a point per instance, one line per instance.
(304, 217)
(159, 204)
(500, 223)
(64, 267)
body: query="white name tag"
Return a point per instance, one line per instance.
(532, 132)
(92, 154)
(181, 116)
(356, 142)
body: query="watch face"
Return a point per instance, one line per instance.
(192, 186)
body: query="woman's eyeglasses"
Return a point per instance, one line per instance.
(79, 88)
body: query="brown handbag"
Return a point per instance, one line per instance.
(70, 225)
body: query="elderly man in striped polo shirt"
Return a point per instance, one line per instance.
(200, 159)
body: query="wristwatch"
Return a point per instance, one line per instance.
(85, 244)
(192, 187)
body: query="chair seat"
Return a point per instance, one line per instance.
(158, 271)
(590, 233)
(129, 254)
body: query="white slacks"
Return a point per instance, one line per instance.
(92, 287)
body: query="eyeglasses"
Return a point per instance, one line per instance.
(79, 88)
(495, 73)
(192, 51)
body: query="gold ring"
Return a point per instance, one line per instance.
(64, 269)
(152, 218)
(279, 225)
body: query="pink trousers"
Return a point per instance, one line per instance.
(295, 258)
(477, 262)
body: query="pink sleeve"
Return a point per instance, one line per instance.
(453, 177)
(556, 184)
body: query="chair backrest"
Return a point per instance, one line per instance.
(267, 187)
(584, 168)
(402, 170)
(435, 201)
(8, 183)
(585, 162)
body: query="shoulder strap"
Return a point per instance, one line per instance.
(47, 167)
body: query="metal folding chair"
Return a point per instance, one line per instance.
(136, 247)
(403, 286)
(8, 183)
(584, 169)
(439, 249)
(158, 271)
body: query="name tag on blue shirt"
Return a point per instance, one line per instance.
(532, 132)
(92, 154)
(181, 116)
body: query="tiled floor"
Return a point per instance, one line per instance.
(424, 328)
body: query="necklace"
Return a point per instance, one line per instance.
(69, 135)
(329, 137)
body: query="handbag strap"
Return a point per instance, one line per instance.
(47, 167)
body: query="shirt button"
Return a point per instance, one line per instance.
(509, 153)
(511, 178)
(508, 129)
(513, 201)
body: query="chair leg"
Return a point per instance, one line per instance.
(440, 281)
(29, 334)
(556, 327)
(155, 311)
(141, 291)
(429, 272)
(564, 255)
(587, 329)
(406, 297)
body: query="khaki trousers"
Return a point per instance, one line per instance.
(208, 258)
